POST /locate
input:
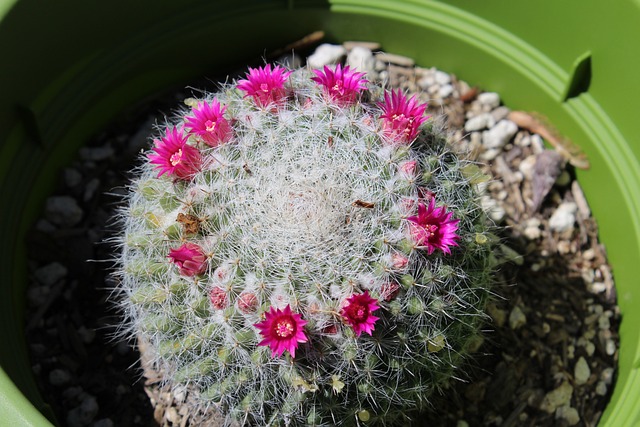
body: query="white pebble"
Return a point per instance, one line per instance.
(561, 396)
(492, 208)
(63, 211)
(532, 229)
(569, 414)
(490, 99)
(479, 122)
(517, 318)
(96, 154)
(490, 154)
(564, 217)
(85, 413)
(90, 189)
(426, 82)
(442, 78)
(536, 143)
(361, 59)
(581, 371)
(499, 135)
(610, 347)
(50, 273)
(326, 54)
(59, 377)
(603, 322)
(72, 177)
(601, 388)
(445, 91)
(527, 166)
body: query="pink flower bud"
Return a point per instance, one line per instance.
(399, 261)
(190, 259)
(408, 169)
(247, 302)
(389, 291)
(219, 298)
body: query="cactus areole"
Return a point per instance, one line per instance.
(300, 248)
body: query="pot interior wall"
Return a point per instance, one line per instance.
(584, 83)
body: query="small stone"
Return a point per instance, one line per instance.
(462, 423)
(172, 415)
(72, 177)
(569, 414)
(601, 388)
(326, 54)
(442, 78)
(499, 135)
(45, 226)
(96, 154)
(361, 59)
(87, 335)
(537, 144)
(500, 113)
(517, 318)
(90, 189)
(479, 122)
(498, 315)
(445, 91)
(391, 58)
(564, 217)
(50, 274)
(603, 322)
(581, 371)
(490, 99)
(63, 211)
(426, 81)
(59, 377)
(556, 398)
(527, 166)
(563, 179)
(83, 414)
(610, 347)
(351, 44)
(589, 254)
(607, 375)
(490, 154)
(532, 229)
(492, 208)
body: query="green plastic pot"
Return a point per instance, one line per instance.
(67, 70)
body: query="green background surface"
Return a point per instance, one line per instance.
(68, 68)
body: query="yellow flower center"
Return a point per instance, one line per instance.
(176, 157)
(284, 328)
(210, 126)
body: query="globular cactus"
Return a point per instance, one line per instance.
(302, 248)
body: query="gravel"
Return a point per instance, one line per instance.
(550, 352)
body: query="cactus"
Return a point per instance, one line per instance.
(302, 248)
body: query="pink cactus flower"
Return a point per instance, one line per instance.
(208, 123)
(174, 156)
(433, 228)
(266, 86)
(342, 85)
(357, 311)
(219, 298)
(247, 302)
(190, 259)
(401, 117)
(282, 330)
